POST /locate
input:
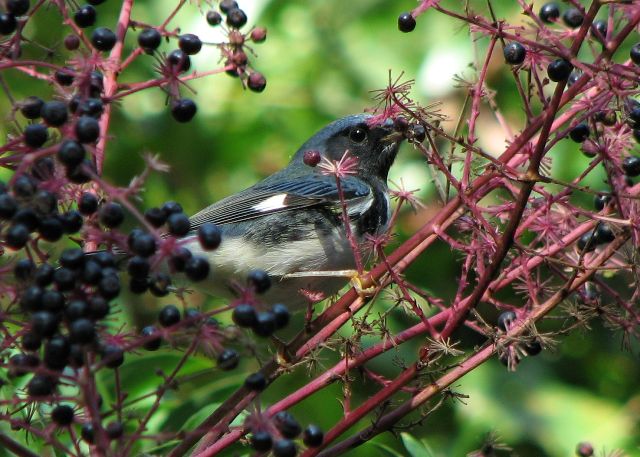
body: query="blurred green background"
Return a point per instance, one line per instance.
(321, 60)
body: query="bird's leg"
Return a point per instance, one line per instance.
(364, 288)
(284, 356)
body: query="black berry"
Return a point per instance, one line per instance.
(179, 60)
(87, 433)
(284, 448)
(197, 268)
(244, 315)
(112, 355)
(31, 107)
(255, 381)
(35, 135)
(24, 269)
(21, 364)
(44, 324)
(17, 236)
(261, 441)
(580, 132)
(236, 18)
(98, 307)
(228, 5)
(82, 331)
(71, 221)
(209, 236)
(599, 30)
(103, 39)
(54, 113)
(85, 16)
(41, 385)
(76, 309)
(24, 186)
(56, 352)
(153, 344)
(600, 201)
(26, 217)
(72, 258)
(156, 216)
(604, 234)
(631, 166)
(573, 18)
(169, 315)
(114, 430)
(31, 299)
(144, 244)
(287, 424)
(228, 359)
(587, 242)
(549, 12)
(260, 281)
(533, 348)
(87, 129)
(17, 7)
(178, 224)
(111, 214)
(149, 40)
(62, 415)
(514, 53)
(91, 107)
(190, 43)
(30, 341)
(8, 206)
(109, 286)
(559, 70)
(88, 203)
(406, 23)
(170, 207)
(506, 319)
(634, 54)
(8, 24)
(64, 278)
(183, 109)
(312, 436)
(71, 153)
(51, 229)
(213, 18)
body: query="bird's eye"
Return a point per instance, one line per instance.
(358, 135)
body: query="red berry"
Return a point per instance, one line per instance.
(311, 158)
(256, 82)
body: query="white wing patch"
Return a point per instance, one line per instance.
(271, 204)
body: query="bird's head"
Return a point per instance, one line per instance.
(373, 146)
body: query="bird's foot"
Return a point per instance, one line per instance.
(364, 285)
(284, 356)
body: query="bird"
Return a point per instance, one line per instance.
(291, 225)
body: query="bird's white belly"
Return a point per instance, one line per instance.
(236, 257)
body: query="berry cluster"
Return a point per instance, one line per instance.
(278, 434)
(64, 304)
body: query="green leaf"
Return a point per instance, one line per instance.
(415, 447)
(386, 450)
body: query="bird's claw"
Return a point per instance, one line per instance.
(364, 285)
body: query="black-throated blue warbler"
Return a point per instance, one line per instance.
(290, 225)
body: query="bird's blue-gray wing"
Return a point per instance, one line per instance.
(273, 197)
